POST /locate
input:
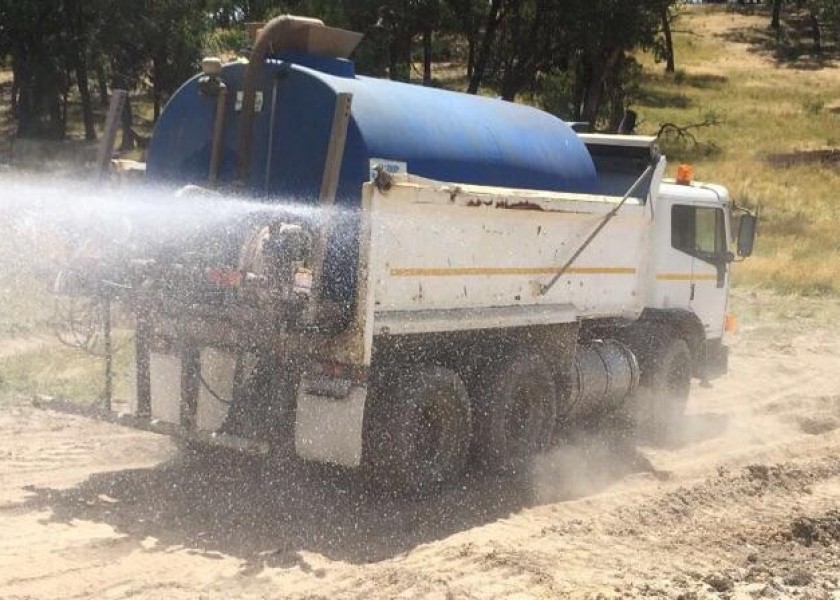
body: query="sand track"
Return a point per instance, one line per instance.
(745, 506)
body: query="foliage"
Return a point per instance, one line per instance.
(511, 46)
(55, 44)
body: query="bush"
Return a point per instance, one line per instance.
(227, 41)
(557, 90)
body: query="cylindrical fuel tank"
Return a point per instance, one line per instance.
(605, 373)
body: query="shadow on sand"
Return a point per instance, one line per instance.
(267, 513)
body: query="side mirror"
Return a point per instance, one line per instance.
(746, 234)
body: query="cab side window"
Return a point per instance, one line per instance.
(698, 231)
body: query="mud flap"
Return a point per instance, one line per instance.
(329, 429)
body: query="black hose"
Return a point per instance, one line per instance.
(211, 391)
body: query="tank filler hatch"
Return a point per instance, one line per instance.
(304, 34)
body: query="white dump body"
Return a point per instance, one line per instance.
(447, 258)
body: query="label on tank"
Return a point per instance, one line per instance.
(392, 167)
(258, 101)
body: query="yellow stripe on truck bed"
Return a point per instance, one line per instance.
(486, 271)
(685, 277)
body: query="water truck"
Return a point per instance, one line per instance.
(445, 280)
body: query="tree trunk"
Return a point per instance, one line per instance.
(427, 56)
(102, 84)
(78, 63)
(596, 84)
(776, 22)
(815, 30)
(406, 53)
(392, 60)
(669, 42)
(470, 56)
(62, 117)
(15, 92)
(592, 100)
(127, 143)
(156, 77)
(84, 94)
(399, 56)
(510, 88)
(39, 112)
(486, 46)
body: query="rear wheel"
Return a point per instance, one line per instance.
(514, 410)
(417, 429)
(663, 395)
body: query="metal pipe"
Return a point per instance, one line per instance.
(218, 129)
(109, 135)
(326, 199)
(271, 125)
(277, 35)
(210, 438)
(109, 352)
(545, 288)
(190, 373)
(142, 350)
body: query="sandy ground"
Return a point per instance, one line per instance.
(746, 505)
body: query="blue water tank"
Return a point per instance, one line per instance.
(441, 135)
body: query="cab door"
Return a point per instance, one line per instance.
(699, 231)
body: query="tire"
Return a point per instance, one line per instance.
(663, 395)
(514, 408)
(417, 430)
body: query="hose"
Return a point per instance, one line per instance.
(281, 33)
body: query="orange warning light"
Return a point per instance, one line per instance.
(685, 173)
(730, 324)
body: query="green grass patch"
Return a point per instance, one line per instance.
(53, 369)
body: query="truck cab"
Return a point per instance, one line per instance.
(690, 268)
(692, 237)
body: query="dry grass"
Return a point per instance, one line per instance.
(52, 369)
(776, 110)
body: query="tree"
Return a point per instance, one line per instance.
(494, 17)
(174, 32)
(467, 17)
(79, 39)
(776, 19)
(667, 15)
(31, 32)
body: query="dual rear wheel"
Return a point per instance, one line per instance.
(422, 426)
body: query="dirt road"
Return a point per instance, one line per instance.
(745, 506)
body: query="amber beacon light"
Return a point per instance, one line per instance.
(685, 173)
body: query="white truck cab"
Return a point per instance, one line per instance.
(692, 257)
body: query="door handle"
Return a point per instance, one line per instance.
(692, 292)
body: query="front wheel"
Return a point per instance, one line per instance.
(663, 394)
